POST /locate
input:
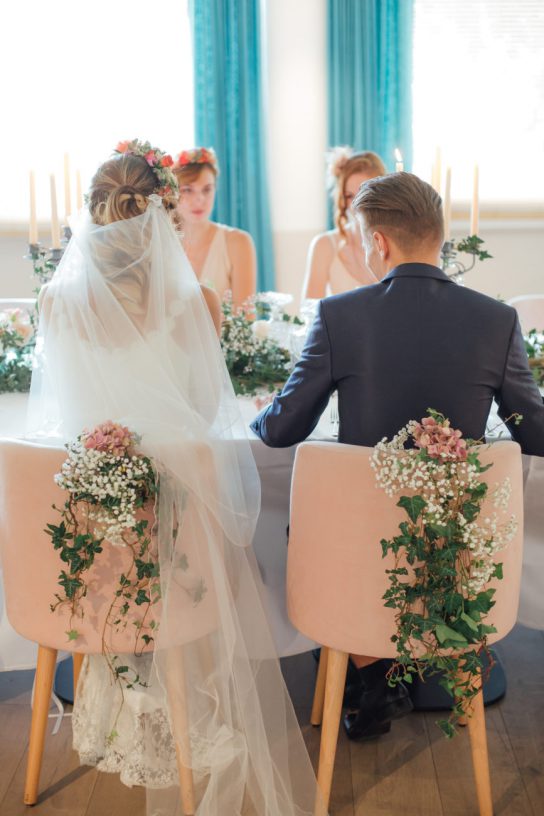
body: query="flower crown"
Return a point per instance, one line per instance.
(337, 158)
(159, 162)
(197, 155)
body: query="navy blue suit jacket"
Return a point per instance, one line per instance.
(413, 341)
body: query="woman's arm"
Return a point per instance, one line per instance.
(214, 307)
(242, 255)
(320, 257)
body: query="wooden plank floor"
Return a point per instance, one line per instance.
(412, 771)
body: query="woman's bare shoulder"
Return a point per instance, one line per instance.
(237, 238)
(324, 244)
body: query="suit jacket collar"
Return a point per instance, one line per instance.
(417, 270)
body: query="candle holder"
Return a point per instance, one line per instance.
(454, 268)
(44, 261)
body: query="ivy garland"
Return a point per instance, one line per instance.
(444, 557)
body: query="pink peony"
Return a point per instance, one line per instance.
(151, 158)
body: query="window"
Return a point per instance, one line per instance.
(78, 77)
(479, 95)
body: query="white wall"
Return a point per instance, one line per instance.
(297, 132)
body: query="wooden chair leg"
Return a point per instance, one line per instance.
(178, 708)
(77, 660)
(45, 670)
(337, 664)
(480, 759)
(319, 693)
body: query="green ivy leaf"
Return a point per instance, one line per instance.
(413, 505)
(445, 633)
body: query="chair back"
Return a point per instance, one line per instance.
(335, 571)
(530, 309)
(31, 566)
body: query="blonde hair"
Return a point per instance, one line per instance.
(120, 187)
(119, 191)
(342, 163)
(402, 206)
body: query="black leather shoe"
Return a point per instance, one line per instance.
(361, 731)
(378, 708)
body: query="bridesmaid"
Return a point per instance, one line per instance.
(222, 257)
(336, 260)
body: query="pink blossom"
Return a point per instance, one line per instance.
(151, 158)
(439, 439)
(110, 437)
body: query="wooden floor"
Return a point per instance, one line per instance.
(412, 771)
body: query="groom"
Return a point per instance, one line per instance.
(413, 340)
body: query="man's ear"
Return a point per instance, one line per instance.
(382, 244)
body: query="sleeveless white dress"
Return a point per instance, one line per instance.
(217, 270)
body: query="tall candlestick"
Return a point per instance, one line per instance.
(399, 164)
(447, 205)
(79, 194)
(55, 228)
(437, 171)
(33, 230)
(67, 191)
(474, 210)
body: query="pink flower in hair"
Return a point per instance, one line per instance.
(151, 158)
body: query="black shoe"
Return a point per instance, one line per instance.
(378, 709)
(357, 730)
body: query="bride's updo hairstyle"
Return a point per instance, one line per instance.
(120, 188)
(119, 191)
(342, 163)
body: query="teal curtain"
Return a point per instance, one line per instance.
(369, 44)
(229, 116)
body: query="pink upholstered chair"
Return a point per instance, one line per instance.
(31, 568)
(336, 578)
(530, 309)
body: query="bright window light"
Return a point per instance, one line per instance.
(479, 95)
(77, 78)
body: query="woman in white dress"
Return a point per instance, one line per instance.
(222, 257)
(125, 335)
(336, 261)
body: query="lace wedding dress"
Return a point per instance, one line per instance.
(124, 335)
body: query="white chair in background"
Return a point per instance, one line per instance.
(530, 309)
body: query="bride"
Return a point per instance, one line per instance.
(125, 335)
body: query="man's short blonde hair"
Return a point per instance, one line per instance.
(403, 207)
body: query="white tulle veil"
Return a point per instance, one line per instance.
(125, 335)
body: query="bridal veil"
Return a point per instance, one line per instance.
(125, 335)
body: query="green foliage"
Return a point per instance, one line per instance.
(534, 345)
(254, 364)
(473, 246)
(440, 612)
